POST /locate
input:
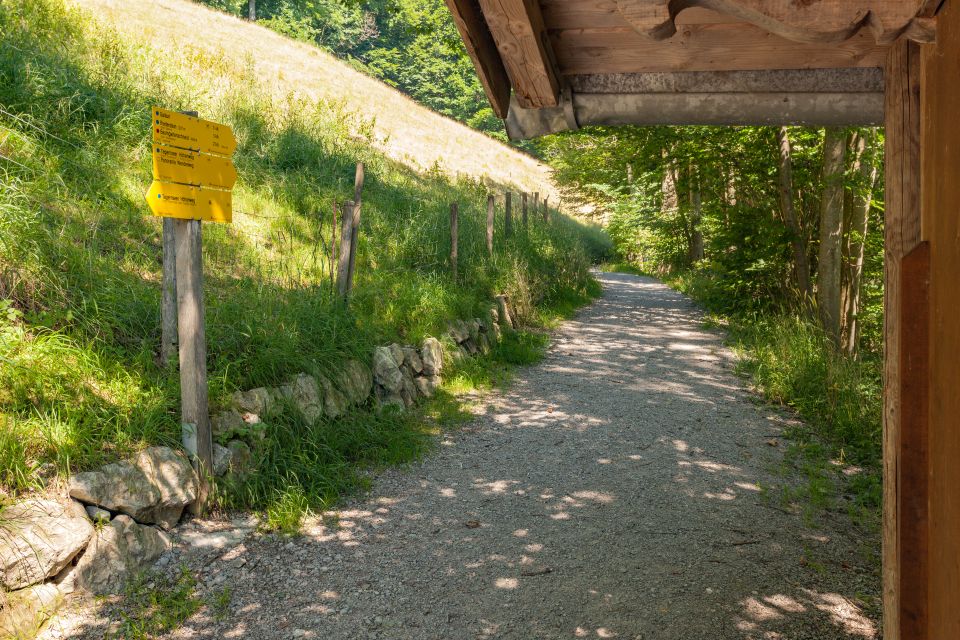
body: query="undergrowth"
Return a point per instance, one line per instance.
(80, 262)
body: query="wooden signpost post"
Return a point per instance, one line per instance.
(192, 178)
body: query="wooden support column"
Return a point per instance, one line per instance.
(195, 413)
(940, 152)
(902, 225)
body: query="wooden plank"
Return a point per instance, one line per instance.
(194, 404)
(563, 14)
(914, 453)
(940, 140)
(719, 47)
(517, 28)
(483, 53)
(902, 234)
(823, 21)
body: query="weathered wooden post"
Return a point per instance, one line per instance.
(197, 437)
(524, 209)
(346, 237)
(508, 215)
(536, 203)
(491, 213)
(454, 231)
(546, 209)
(355, 225)
(333, 248)
(168, 301)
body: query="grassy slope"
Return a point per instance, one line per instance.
(79, 256)
(404, 130)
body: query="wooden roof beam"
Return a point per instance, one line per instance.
(823, 21)
(483, 52)
(521, 37)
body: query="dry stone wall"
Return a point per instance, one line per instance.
(116, 521)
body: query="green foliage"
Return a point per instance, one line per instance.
(155, 603)
(80, 257)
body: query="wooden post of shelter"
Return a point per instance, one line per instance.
(346, 237)
(454, 233)
(491, 214)
(507, 214)
(355, 225)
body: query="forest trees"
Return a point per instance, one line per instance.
(774, 218)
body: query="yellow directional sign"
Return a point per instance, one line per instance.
(187, 132)
(171, 200)
(191, 167)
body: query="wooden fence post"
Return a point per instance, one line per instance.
(546, 210)
(508, 215)
(454, 231)
(346, 236)
(524, 208)
(333, 249)
(195, 413)
(355, 225)
(168, 300)
(536, 204)
(491, 213)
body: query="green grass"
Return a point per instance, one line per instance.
(80, 264)
(154, 603)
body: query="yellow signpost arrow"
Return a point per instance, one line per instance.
(187, 132)
(183, 201)
(191, 167)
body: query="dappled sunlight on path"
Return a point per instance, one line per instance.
(623, 488)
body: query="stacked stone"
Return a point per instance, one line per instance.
(403, 374)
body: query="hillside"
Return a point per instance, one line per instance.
(80, 264)
(404, 130)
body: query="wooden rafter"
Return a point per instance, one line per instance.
(822, 21)
(483, 52)
(521, 37)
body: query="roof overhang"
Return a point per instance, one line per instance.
(555, 65)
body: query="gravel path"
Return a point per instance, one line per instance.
(626, 487)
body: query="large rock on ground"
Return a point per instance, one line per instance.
(39, 538)
(356, 381)
(411, 359)
(258, 401)
(427, 385)
(118, 551)
(432, 356)
(334, 401)
(386, 370)
(26, 610)
(396, 351)
(304, 392)
(152, 488)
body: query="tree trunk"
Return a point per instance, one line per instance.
(856, 233)
(788, 210)
(252, 10)
(831, 232)
(696, 216)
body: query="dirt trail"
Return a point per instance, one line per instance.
(623, 488)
